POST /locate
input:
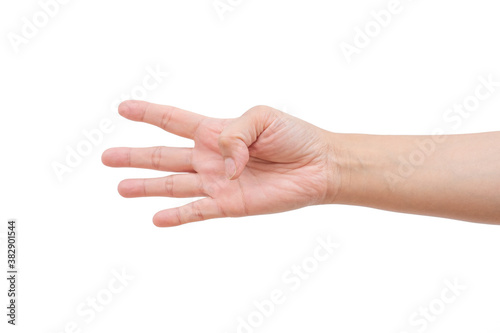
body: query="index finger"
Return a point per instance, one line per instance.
(171, 119)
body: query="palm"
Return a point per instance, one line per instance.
(270, 182)
(286, 169)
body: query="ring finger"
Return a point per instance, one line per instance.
(178, 186)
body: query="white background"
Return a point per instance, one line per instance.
(201, 277)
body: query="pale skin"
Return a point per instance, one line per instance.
(267, 161)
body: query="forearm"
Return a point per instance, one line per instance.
(455, 176)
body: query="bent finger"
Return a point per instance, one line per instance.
(240, 134)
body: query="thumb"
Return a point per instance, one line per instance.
(242, 132)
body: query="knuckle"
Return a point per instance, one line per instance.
(165, 119)
(263, 110)
(144, 107)
(196, 211)
(179, 216)
(264, 113)
(156, 158)
(259, 109)
(145, 187)
(169, 186)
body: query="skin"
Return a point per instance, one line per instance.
(267, 161)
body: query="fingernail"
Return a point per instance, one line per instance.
(230, 167)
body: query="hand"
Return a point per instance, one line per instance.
(265, 161)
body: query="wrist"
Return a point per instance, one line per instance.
(357, 165)
(338, 166)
